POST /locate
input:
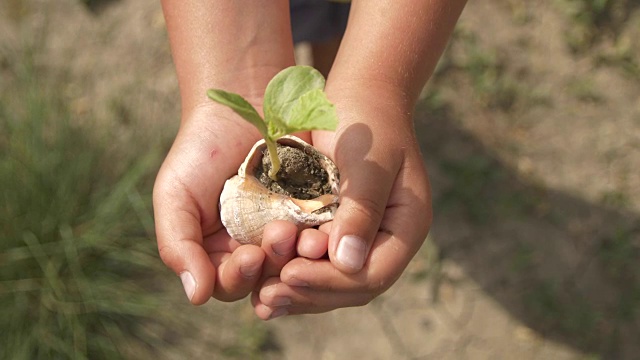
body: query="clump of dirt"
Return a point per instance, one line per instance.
(300, 175)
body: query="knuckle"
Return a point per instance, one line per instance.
(268, 294)
(380, 283)
(168, 256)
(370, 209)
(229, 288)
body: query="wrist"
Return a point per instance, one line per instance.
(367, 100)
(248, 82)
(373, 87)
(237, 46)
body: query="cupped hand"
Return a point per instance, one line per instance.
(383, 217)
(209, 147)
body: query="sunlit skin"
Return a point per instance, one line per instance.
(386, 56)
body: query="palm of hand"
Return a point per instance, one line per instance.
(191, 238)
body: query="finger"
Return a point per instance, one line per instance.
(304, 135)
(326, 227)
(238, 272)
(357, 219)
(265, 312)
(275, 299)
(315, 286)
(403, 229)
(367, 173)
(220, 241)
(180, 246)
(278, 245)
(391, 252)
(312, 243)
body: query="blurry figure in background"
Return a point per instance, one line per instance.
(321, 24)
(388, 52)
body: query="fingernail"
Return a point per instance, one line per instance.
(278, 313)
(283, 247)
(249, 271)
(189, 284)
(351, 252)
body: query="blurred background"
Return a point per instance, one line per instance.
(530, 129)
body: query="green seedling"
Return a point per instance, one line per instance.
(294, 100)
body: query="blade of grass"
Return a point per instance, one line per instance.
(144, 215)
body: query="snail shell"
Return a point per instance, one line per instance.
(247, 206)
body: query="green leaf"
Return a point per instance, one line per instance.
(284, 90)
(312, 111)
(241, 107)
(294, 101)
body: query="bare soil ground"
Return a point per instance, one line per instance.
(532, 139)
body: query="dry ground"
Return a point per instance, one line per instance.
(533, 150)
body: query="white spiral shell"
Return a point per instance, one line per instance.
(247, 206)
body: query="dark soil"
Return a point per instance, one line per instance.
(300, 175)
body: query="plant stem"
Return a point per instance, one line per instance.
(275, 161)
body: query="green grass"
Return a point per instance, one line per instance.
(623, 57)
(522, 259)
(487, 71)
(79, 271)
(576, 317)
(605, 30)
(478, 187)
(257, 341)
(585, 89)
(589, 21)
(80, 277)
(618, 253)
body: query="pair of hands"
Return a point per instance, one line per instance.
(383, 218)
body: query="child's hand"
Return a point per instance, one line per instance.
(191, 239)
(383, 218)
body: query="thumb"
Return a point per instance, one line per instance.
(364, 192)
(179, 237)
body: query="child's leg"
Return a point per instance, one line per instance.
(322, 24)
